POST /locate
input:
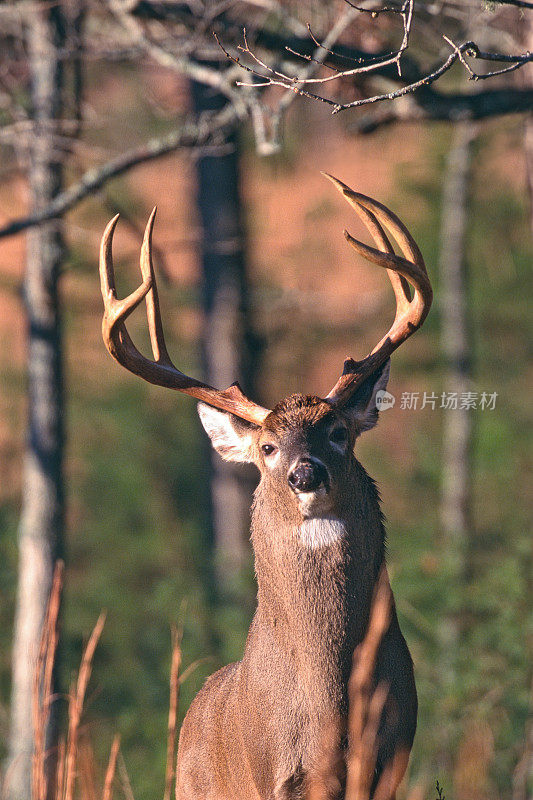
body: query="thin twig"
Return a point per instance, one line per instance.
(192, 667)
(519, 60)
(319, 56)
(60, 769)
(294, 82)
(407, 19)
(266, 75)
(76, 701)
(427, 80)
(42, 684)
(366, 705)
(301, 79)
(173, 711)
(125, 778)
(111, 768)
(329, 51)
(376, 11)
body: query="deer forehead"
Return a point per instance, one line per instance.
(299, 412)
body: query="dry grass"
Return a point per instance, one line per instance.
(69, 770)
(170, 772)
(42, 686)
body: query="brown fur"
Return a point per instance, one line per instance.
(254, 731)
(297, 411)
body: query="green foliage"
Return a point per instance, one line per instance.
(484, 675)
(8, 577)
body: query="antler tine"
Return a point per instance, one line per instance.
(405, 269)
(117, 311)
(153, 313)
(410, 313)
(161, 371)
(399, 283)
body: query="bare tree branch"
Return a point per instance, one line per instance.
(271, 43)
(295, 83)
(517, 3)
(180, 63)
(173, 34)
(442, 108)
(194, 133)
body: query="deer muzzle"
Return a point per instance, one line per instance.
(308, 475)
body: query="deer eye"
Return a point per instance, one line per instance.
(339, 436)
(268, 449)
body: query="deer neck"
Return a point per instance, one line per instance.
(315, 580)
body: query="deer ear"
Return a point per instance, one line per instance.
(232, 437)
(362, 406)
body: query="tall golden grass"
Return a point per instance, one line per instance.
(57, 771)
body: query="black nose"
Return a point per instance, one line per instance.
(307, 476)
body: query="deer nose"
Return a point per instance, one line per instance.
(308, 475)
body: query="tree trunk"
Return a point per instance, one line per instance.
(456, 500)
(528, 124)
(455, 336)
(42, 518)
(228, 347)
(528, 152)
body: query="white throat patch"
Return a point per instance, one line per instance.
(321, 531)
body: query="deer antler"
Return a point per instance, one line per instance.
(410, 313)
(161, 371)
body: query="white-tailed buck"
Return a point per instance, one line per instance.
(255, 729)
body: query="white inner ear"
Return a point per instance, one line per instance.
(231, 444)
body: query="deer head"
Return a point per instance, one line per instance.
(304, 446)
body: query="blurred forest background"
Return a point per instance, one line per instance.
(116, 107)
